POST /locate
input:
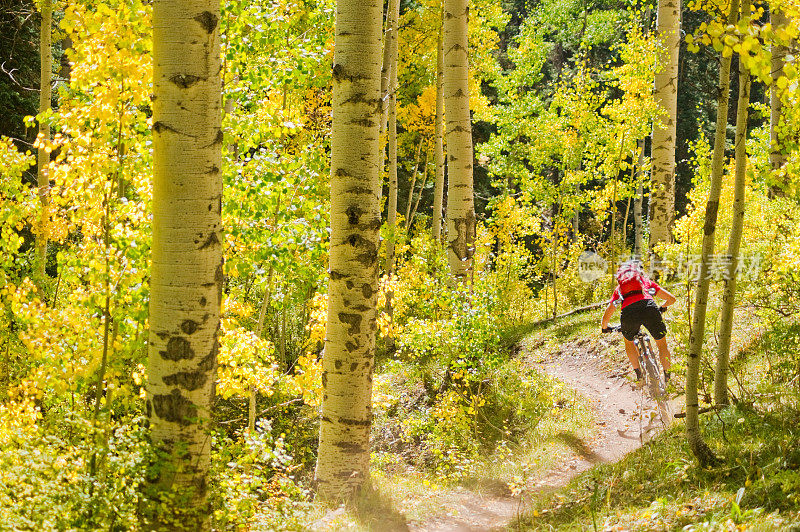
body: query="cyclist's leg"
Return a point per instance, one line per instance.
(633, 353)
(654, 322)
(663, 353)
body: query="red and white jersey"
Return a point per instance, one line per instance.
(634, 290)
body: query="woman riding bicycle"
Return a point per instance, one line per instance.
(634, 290)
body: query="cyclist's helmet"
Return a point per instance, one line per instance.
(631, 270)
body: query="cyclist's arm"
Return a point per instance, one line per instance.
(668, 298)
(607, 316)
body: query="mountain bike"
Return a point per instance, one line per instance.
(652, 372)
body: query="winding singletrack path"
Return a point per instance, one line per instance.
(625, 417)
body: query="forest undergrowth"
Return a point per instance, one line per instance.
(755, 486)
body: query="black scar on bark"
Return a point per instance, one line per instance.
(158, 127)
(217, 140)
(175, 408)
(208, 20)
(338, 72)
(207, 364)
(363, 122)
(353, 366)
(368, 258)
(349, 284)
(149, 408)
(350, 448)
(711, 217)
(324, 379)
(185, 81)
(353, 214)
(359, 190)
(355, 422)
(337, 364)
(203, 301)
(210, 241)
(178, 348)
(219, 279)
(335, 276)
(188, 380)
(350, 346)
(189, 326)
(366, 290)
(163, 335)
(358, 97)
(353, 320)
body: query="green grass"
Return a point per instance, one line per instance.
(756, 486)
(549, 421)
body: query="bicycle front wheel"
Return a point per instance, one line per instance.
(655, 384)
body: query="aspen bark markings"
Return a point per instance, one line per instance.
(735, 239)
(776, 157)
(438, 191)
(391, 218)
(186, 271)
(697, 336)
(343, 455)
(662, 190)
(460, 200)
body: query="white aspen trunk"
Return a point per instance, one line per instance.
(438, 146)
(391, 216)
(662, 189)
(343, 454)
(697, 337)
(776, 157)
(460, 200)
(42, 155)
(735, 239)
(637, 204)
(390, 38)
(186, 272)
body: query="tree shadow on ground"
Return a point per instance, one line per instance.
(579, 446)
(565, 328)
(376, 512)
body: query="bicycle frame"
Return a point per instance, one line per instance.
(651, 368)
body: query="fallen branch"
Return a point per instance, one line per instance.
(681, 415)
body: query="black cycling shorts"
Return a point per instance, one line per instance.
(645, 312)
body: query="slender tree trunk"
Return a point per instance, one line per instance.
(438, 146)
(662, 190)
(410, 218)
(460, 200)
(413, 183)
(262, 318)
(343, 455)
(390, 38)
(735, 240)
(391, 218)
(776, 157)
(186, 284)
(697, 336)
(637, 205)
(42, 154)
(613, 236)
(576, 218)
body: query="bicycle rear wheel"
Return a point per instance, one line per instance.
(655, 383)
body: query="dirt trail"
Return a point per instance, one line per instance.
(621, 429)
